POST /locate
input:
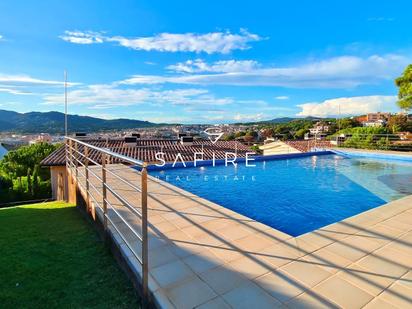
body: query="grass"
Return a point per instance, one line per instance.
(51, 257)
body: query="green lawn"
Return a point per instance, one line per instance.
(50, 256)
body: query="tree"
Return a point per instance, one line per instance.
(29, 183)
(268, 132)
(20, 175)
(229, 137)
(249, 137)
(300, 133)
(17, 162)
(404, 83)
(397, 123)
(35, 184)
(345, 123)
(239, 134)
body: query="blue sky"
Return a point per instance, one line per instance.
(203, 62)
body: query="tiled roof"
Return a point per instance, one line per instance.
(307, 145)
(146, 150)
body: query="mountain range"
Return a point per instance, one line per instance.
(284, 120)
(289, 119)
(53, 122)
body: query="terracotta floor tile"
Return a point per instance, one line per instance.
(249, 295)
(343, 293)
(190, 293)
(280, 285)
(306, 272)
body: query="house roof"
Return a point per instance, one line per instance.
(307, 145)
(146, 149)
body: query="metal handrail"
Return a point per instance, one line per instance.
(74, 163)
(123, 180)
(124, 221)
(125, 240)
(87, 158)
(109, 152)
(123, 201)
(90, 171)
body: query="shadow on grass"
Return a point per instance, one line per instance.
(51, 257)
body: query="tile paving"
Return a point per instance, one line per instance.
(204, 255)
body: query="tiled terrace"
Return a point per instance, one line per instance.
(205, 256)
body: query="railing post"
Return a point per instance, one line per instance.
(145, 247)
(66, 152)
(70, 155)
(76, 148)
(86, 172)
(104, 191)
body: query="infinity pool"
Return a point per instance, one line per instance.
(298, 195)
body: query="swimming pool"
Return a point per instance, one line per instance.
(298, 195)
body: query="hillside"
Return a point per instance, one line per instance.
(289, 119)
(53, 122)
(283, 120)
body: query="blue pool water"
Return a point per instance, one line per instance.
(298, 195)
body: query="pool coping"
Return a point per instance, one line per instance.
(205, 255)
(334, 234)
(374, 154)
(337, 231)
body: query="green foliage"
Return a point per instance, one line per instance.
(240, 134)
(22, 177)
(300, 133)
(29, 182)
(256, 149)
(229, 137)
(35, 184)
(398, 123)
(404, 83)
(346, 123)
(366, 138)
(363, 130)
(294, 129)
(17, 162)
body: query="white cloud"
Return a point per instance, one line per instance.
(1, 37)
(28, 80)
(107, 96)
(14, 91)
(248, 117)
(198, 65)
(338, 72)
(348, 106)
(212, 42)
(282, 97)
(146, 79)
(79, 37)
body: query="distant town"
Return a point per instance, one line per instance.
(248, 133)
